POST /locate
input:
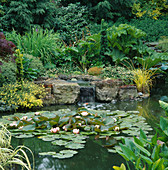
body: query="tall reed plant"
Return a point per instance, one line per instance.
(38, 42)
(9, 156)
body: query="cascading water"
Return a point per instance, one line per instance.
(87, 94)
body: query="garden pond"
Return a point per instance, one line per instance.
(92, 148)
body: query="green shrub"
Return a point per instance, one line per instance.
(71, 21)
(153, 28)
(38, 42)
(21, 15)
(8, 73)
(35, 63)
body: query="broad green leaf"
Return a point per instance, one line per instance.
(164, 124)
(155, 154)
(142, 149)
(29, 127)
(146, 159)
(158, 165)
(143, 136)
(128, 152)
(137, 141)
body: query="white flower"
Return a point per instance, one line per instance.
(116, 128)
(80, 124)
(24, 118)
(84, 113)
(115, 120)
(75, 131)
(37, 113)
(97, 126)
(21, 127)
(78, 117)
(13, 124)
(64, 128)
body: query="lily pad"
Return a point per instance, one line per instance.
(72, 145)
(60, 142)
(65, 154)
(25, 136)
(47, 153)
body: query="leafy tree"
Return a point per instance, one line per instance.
(20, 15)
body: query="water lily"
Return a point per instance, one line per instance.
(55, 130)
(37, 113)
(64, 128)
(97, 126)
(84, 113)
(115, 120)
(21, 127)
(160, 142)
(80, 124)
(24, 118)
(13, 124)
(76, 131)
(29, 119)
(116, 128)
(78, 117)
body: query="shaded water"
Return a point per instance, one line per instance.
(94, 156)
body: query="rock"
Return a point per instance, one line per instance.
(127, 92)
(65, 92)
(107, 90)
(60, 92)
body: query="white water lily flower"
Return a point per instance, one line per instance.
(116, 128)
(84, 113)
(24, 118)
(78, 117)
(97, 126)
(13, 124)
(37, 113)
(76, 131)
(64, 128)
(21, 127)
(80, 124)
(115, 120)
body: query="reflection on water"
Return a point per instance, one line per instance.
(94, 156)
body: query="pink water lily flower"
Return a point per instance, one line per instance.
(29, 119)
(76, 131)
(84, 113)
(55, 130)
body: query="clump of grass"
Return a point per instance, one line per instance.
(10, 156)
(142, 77)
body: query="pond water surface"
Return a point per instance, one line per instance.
(94, 156)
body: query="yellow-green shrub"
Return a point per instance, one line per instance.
(26, 96)
(95, 71)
